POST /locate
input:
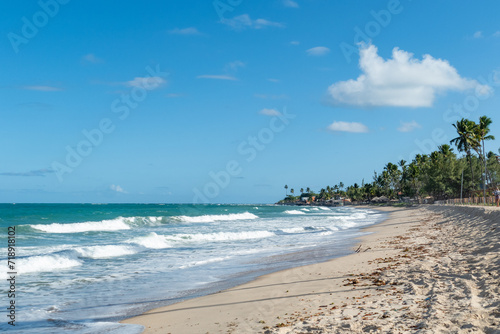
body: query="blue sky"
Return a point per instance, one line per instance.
(228, 101)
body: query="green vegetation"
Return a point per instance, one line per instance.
(441, 174)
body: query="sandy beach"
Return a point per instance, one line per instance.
(427, 269)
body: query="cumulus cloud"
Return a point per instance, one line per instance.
(117, 188)
(148, 83)
(318, 51)
(270, 112)
(354, 127)
(290, 4)
(401, 81)
(184, 31)
(408, 126)
(244, 21)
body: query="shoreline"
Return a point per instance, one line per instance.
(141, 319)
(402, 279)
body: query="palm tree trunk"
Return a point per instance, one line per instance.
(471, 169)
(485, 165)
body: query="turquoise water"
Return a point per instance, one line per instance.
(80, 268)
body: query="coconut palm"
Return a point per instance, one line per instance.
(466, 140)
(286, 190)
(482, 130)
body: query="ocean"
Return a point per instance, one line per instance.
(81, 268)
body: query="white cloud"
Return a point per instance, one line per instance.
(295, 43)
(217, 77)
(91, 58)
(148, 83)
(42, 88)
(234, 66)
(478, 34)
(290, 3)
(270, 112)
(117, 188)
(230, 71)
(409, 126)
(353, 127)
(318, 51)
(496, 33)
(184, 31)
(244, 21)
(273, 80)
(402, 81)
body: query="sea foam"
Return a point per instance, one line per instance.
(214, 218)
(294, 212)
(46, 263)
(152, 241)
(104, 225)
(107, 251)
(223, 236)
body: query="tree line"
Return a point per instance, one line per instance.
(441, 174)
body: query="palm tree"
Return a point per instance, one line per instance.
(292, 191)
(482, 131)
(301, 190)
(445, 150)
(308, 190)
(286, 190)
(466, 140)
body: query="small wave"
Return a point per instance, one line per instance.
(202, 262)
(324, 208)
(103, 252)
(46, 263)
(305, 229)
(152, 241)
(293, 230)
(222, 236)
(214, 218)
(294, 212)
(104, 225)
(120, 223)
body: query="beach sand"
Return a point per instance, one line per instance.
(427, 269)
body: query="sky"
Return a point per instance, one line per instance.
(227, 101)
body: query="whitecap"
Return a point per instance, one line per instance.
(152, 240)
(119, 223)
(43, 263)
(214, 218)
(107, 251)
(294, 212)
